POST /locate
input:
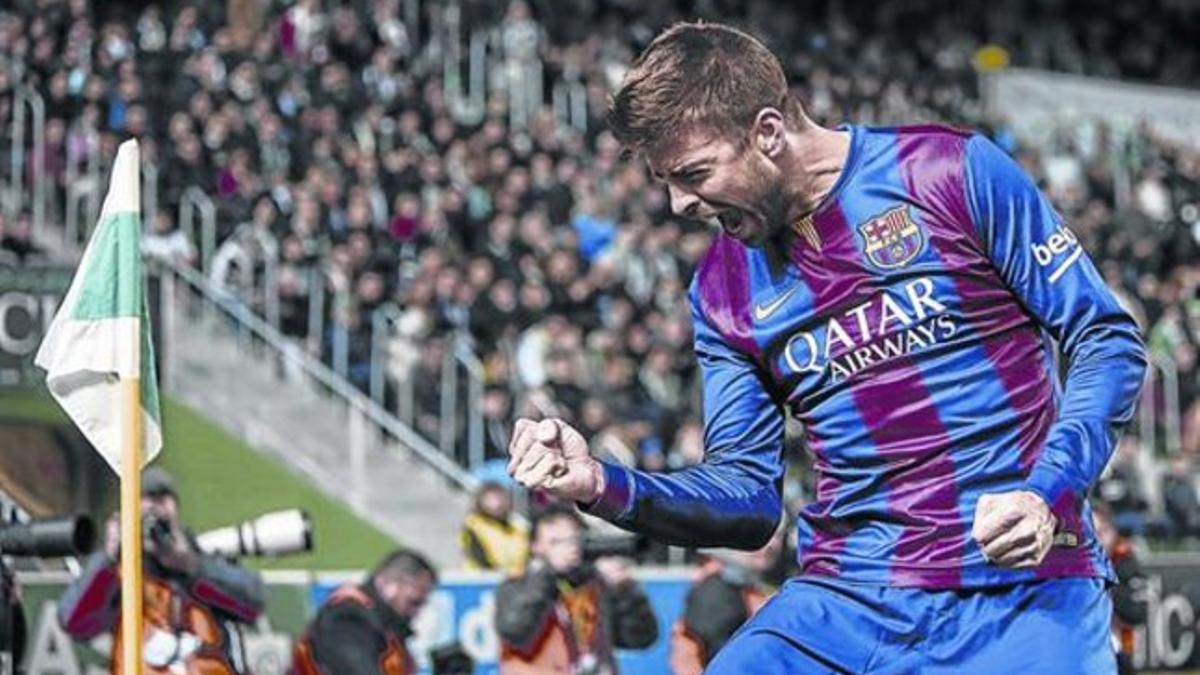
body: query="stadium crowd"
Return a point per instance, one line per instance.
(323, 133)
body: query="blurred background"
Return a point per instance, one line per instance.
(380, 230)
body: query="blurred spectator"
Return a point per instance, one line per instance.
(363, 628)
(565, 614)
(491, 538)
(166, 243)
(1182, 498)
(17, 239)
(497, 423)
(1121, 488)
(729, 587)
(512, 222)
(1129, 595)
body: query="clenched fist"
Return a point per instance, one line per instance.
(551, 455)
(1014, 529)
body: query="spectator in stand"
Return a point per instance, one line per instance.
(17, 239)
(1182, 498)
(167, 243)
(1121, 488)
(337, 113)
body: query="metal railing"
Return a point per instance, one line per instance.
(1159, 413)
(376, 421)
(192, 201)
(27, 97)
(85, 190)
(459, 360)
(569, 101)
(149, 193)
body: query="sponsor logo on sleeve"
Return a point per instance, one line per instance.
(1058, 252)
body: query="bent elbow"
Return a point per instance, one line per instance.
(754, 532)
(758, 535)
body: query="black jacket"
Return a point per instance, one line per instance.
(354, 638)
(523, 605)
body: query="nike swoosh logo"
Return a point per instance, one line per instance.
(762, 312)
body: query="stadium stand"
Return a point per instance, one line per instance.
(339, 150)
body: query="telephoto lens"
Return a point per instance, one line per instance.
(271, 534)
(49, 537)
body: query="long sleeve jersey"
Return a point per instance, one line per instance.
(915, 330)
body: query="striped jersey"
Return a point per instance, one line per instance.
(914, 330)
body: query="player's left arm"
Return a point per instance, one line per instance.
(1053, 277)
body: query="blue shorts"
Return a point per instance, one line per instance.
(822, 625)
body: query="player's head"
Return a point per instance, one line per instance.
(708, 106)
(404, 579)
(557, 538)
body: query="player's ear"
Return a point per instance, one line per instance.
(769, 132)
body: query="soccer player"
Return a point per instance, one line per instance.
(896, 289)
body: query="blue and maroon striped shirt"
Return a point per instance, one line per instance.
(910, 331)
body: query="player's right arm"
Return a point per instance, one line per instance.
(732, 499)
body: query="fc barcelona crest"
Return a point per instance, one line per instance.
(892, 238)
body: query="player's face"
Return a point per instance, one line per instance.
(714, 177)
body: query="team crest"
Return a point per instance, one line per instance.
(893, 239)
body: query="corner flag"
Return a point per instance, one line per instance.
(100, 334)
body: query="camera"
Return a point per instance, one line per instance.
(271, 534)
(157, 529)
(37, 538)
(451, 659)
(49, 537)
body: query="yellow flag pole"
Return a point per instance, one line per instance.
(131, 525)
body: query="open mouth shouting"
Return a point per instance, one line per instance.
(739, 224)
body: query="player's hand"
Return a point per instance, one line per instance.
(1014, 529)
(551, 455)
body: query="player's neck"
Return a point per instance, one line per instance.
(812, 166)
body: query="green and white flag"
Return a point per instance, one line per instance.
(101, 333)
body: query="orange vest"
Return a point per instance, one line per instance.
(688, 655)
(395, 659)
(166, 611)
(573, 636)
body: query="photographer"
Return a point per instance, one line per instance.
(192, 602)
(729, 588)
(566, 615)
(1129, 594)
(363, 628)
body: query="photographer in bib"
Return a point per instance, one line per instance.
(566, 614)
(194, 603)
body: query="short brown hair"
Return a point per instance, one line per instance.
(697, 74)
